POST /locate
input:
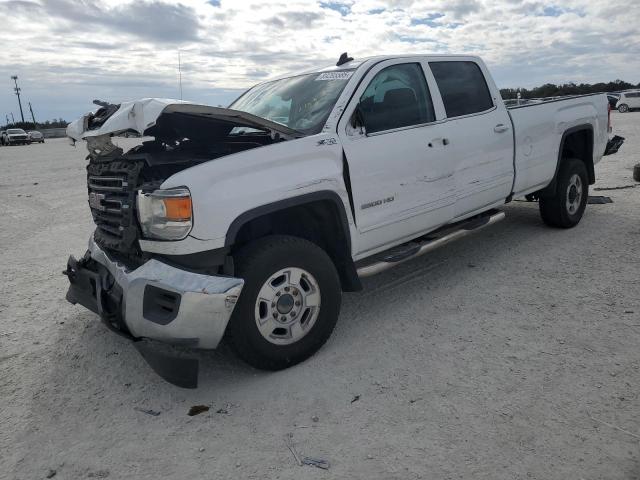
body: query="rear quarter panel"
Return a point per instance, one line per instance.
(538, 131)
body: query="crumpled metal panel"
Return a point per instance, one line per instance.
(140, 115)
(205, 308)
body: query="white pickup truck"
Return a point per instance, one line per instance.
(250, 221)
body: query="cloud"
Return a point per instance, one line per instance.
(150, 20)
(67, 52)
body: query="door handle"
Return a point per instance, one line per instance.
(501, 127)
(435, 141)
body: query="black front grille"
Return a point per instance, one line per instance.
(112, 191)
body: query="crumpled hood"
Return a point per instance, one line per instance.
(142, 115)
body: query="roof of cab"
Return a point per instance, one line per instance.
(362, 61)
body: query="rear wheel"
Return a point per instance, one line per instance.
(566, 207)
(623, 108)
(289, 304)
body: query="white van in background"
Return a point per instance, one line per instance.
(628, 101)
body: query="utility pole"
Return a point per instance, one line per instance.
(180, 74)
(32, 117)
(17, 90)
(13, 120)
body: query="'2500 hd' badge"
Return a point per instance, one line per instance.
(377, 203)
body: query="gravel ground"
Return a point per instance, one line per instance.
(511, 354)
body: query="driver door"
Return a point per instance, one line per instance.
(397, 153)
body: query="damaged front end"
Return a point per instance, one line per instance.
(184, 135)
(137, 294)
(155, 301)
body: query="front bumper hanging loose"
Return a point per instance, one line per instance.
(154, 301)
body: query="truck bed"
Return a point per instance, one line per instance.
(529, 102)
(539, 127)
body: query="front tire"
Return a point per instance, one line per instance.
(623, 108)
(566, 207)
(289, 304)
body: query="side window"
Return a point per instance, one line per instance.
(462, 87)
(397, 96)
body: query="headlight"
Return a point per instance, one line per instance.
(165, 214)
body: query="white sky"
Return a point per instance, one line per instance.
(68, 52)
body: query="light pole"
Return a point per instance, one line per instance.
(32, 117)
(17, 90)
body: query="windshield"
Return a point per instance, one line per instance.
(14, 131)
(302, 103)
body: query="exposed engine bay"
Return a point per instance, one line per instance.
(183, 134)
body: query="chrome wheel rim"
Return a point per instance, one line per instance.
(574, 194)
(287, 306)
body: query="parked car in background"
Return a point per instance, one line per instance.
(36, 136)
(628, 101)
(613, 99)
(15, 136)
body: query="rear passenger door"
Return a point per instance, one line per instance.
(479, 129)
(397, 156)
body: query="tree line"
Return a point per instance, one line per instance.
(552, 90)
(55, 123)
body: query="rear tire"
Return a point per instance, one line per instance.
(623, 108)
(289, 304)
(566, 207)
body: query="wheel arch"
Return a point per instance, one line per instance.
(576, 142)
(320, 217)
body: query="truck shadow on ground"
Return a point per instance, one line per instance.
(98, 353)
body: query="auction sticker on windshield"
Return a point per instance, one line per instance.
(334, 76)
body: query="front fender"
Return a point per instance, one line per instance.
(226, 188)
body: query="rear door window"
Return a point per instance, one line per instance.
(462, 86)
(398, 96)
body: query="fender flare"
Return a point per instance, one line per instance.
(320, 195)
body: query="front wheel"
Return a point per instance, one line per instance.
(566, 207)
(623, 108)
(289, 304)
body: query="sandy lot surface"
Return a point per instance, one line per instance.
(512, 354)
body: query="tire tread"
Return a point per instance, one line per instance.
(552, 209)
(257, 351)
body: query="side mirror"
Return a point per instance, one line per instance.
(358, 120)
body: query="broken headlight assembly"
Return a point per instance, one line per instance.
(165, 214)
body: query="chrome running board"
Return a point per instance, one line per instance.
(390, 258)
